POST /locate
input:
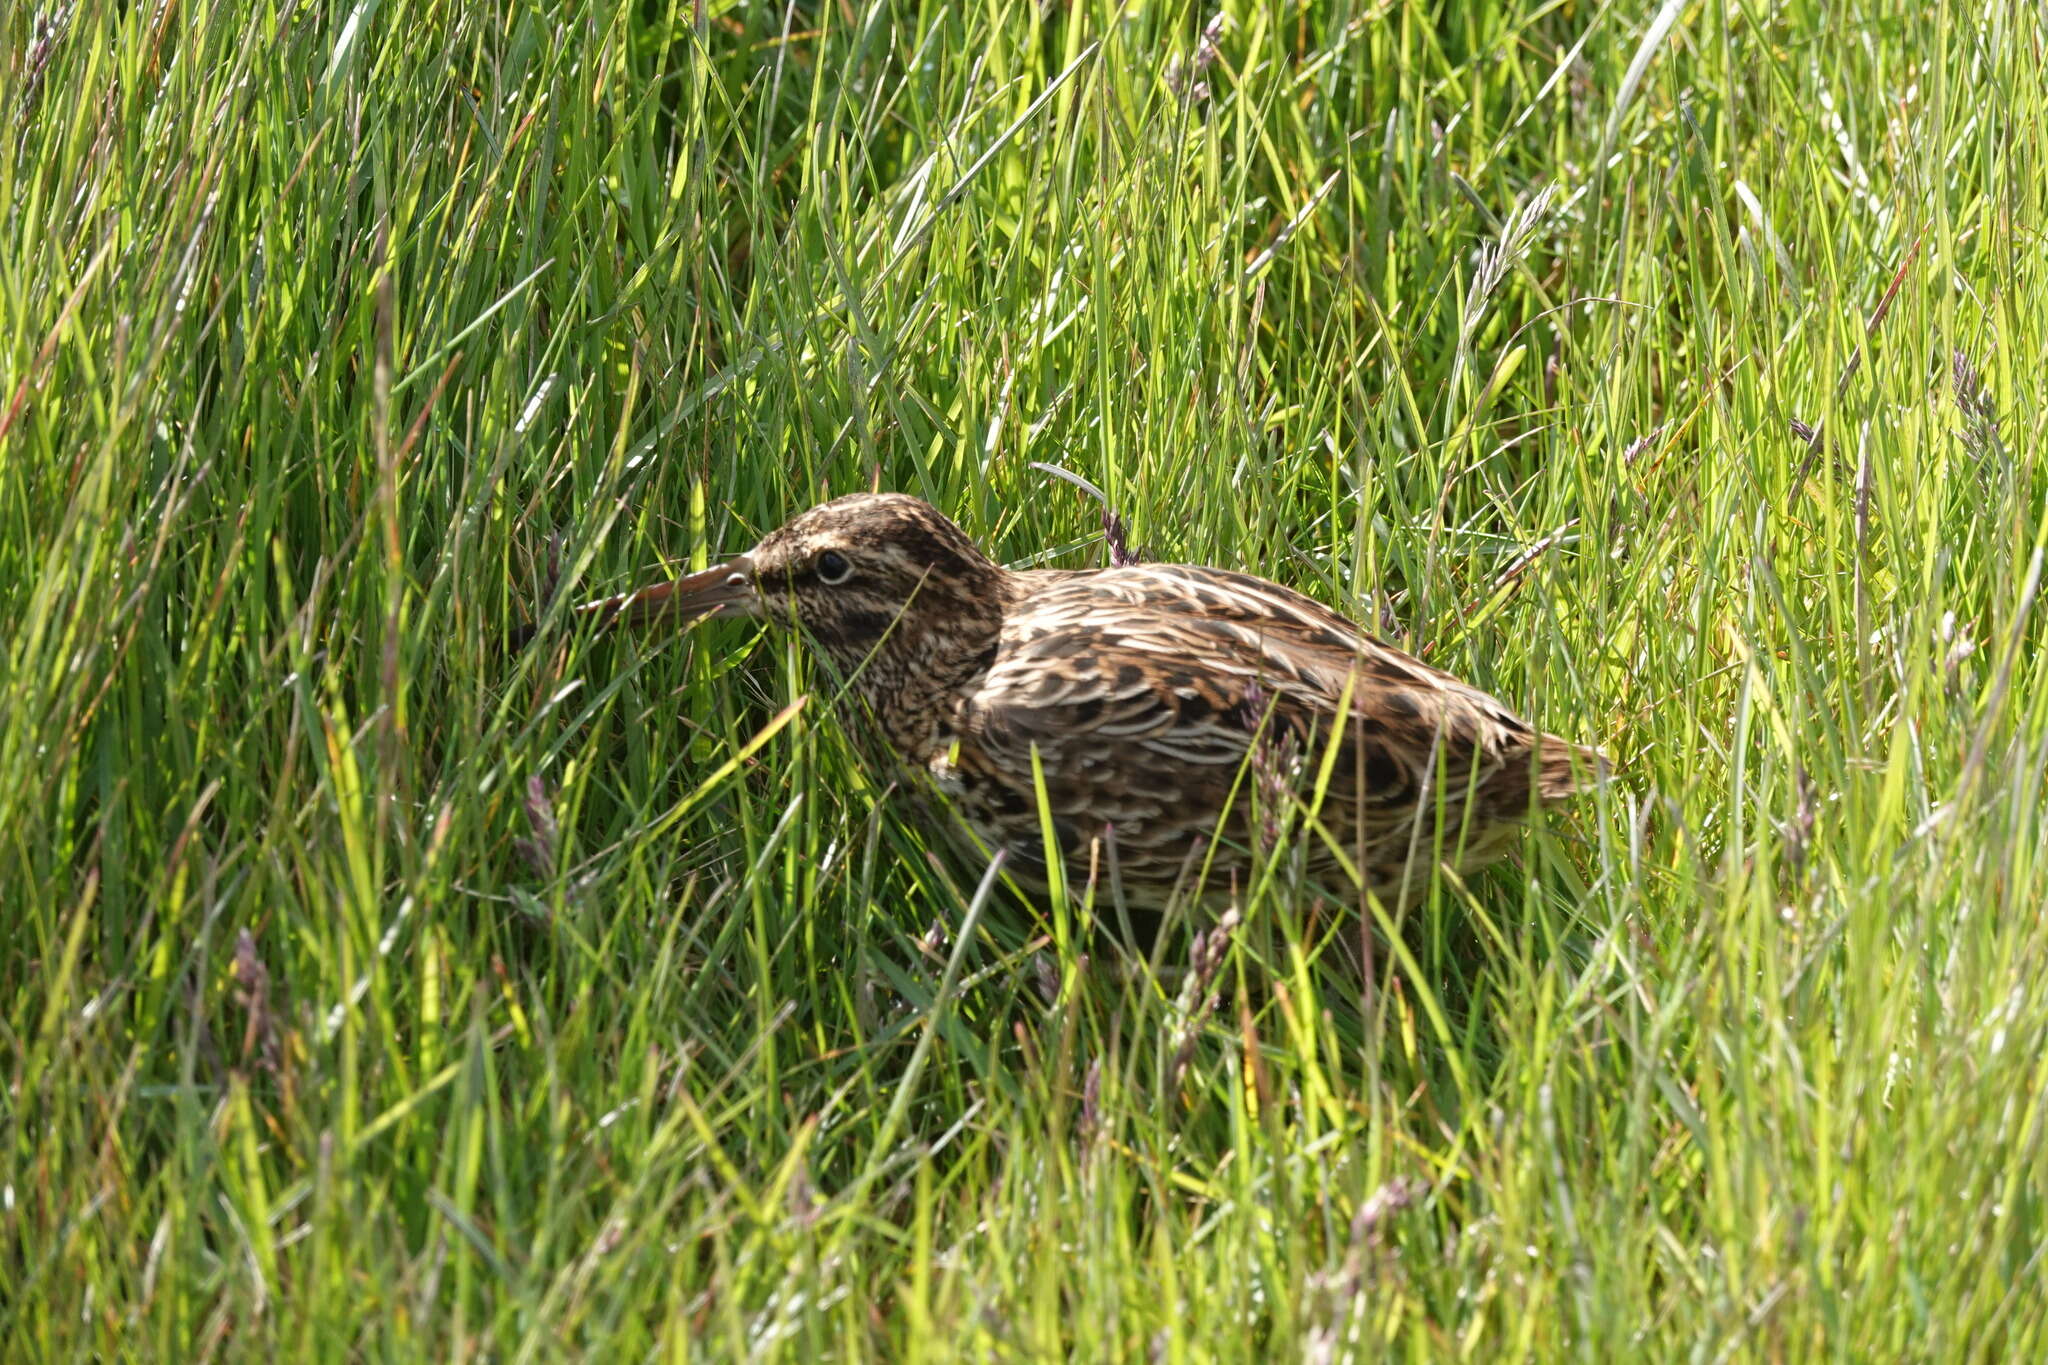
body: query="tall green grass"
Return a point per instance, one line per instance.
(370, 992)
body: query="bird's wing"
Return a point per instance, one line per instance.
(1151, 681)
(1132, 730)
(1414, 708)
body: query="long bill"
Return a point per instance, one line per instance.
(723, 590)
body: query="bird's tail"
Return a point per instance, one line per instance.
(1566, 769)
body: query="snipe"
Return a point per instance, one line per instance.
(1150, 692)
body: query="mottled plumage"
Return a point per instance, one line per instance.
(1163, 700)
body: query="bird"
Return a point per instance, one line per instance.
(1157, 706)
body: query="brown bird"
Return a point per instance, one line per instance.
(1164, 703)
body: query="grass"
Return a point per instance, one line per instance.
(369, 993)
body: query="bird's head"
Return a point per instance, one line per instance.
(881, 581)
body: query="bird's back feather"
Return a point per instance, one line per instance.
(1147, 690)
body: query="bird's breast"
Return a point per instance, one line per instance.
(944, 766)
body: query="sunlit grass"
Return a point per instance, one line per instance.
(373, 991)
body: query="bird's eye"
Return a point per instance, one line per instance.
(833, 568)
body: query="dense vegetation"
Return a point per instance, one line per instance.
(372, 992)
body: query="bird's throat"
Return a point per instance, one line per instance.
(914, 682)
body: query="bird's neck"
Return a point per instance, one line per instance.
(914, 680)
(916, 712)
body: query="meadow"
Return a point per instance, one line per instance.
(372, 991)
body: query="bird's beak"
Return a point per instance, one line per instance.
(723, 590)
